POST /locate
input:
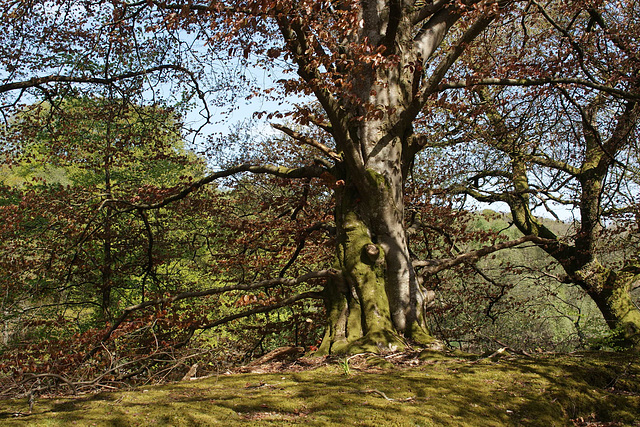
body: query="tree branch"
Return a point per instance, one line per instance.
(428, 10)
(295, 39)
(303, 240)
(265, 309)
(430, 85)
(311, 171)
(486, 196)
(308, 141)
(552, 163)
(213, 291)
(434, 266)
(539, 82)
(36, 81)
(575, 45)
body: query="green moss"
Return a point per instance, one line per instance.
(447, 391)
(377, 340)
(377, 180)
(380, 362)
(370, 315)
(420, 335)
(614, 287)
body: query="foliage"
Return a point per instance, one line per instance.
(86, 255)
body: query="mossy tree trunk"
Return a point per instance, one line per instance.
(376, 303)
(610, 290)
(391, 62)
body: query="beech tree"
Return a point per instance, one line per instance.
(372, 67)
(567, 148)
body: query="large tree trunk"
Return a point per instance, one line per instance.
(358, 307)
(377, 304)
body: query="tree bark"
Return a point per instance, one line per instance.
(610, 289)
(377, 302)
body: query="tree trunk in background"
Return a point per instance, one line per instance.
(610, 289)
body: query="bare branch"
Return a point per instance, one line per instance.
(72, 385)
(539, 82)
(552, 163)
(434, 266)
(303, 139)
(484, 196)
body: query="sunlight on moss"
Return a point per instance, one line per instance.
(444, 391)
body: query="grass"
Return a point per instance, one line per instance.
(591, 389)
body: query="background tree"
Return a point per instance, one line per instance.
(69, 258)
(567, 150)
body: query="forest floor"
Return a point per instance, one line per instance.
(404, 389)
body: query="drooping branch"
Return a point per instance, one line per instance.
(39, 82)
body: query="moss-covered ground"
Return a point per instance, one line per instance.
(599, 389)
